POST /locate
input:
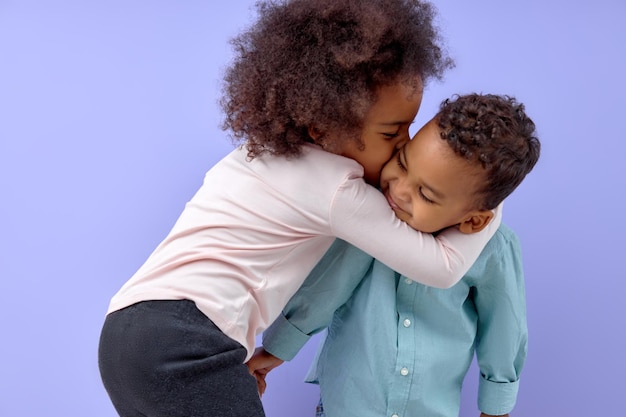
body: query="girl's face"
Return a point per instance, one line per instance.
(385, 129)
(429, 186)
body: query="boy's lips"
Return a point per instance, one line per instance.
(391, 202)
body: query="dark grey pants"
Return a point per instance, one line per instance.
(167, 359)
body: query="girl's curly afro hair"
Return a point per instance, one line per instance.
(318, 63)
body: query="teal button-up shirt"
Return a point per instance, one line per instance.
(398, 348)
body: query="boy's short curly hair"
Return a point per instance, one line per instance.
(494, 131)
(318, 63)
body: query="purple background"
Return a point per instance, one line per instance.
(108, 121)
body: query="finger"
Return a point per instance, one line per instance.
(261, 384)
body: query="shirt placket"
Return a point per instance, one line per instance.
(402, 380)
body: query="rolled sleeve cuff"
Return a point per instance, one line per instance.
(284, 340)
(497, 398)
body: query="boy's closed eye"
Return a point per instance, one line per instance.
(423, 196)
(399, 160)
(420, 190)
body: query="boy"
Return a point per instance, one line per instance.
(398, 348)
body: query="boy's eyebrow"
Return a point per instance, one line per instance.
(436, 193)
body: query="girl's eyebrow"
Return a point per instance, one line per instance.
(397, 123)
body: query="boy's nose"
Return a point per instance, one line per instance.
(400, 191)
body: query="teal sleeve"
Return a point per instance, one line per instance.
(497, 398)
(329, 285)
(502, 335)
(284, 340)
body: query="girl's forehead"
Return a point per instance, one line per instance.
(395, 104)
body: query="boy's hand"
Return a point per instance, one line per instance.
(260, 365)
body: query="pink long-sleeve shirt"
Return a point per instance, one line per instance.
(254, 230)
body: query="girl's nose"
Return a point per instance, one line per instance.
(401, 142)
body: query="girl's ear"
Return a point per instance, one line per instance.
(314, 133)
(476, 221)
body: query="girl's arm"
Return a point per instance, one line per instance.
(360, 215)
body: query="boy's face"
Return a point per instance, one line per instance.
(385, 129)
(428, 186)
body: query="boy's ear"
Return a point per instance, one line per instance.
(476, 221)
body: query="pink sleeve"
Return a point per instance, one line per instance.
(361, 216)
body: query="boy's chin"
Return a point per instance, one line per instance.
(456, 226)
(401, 215)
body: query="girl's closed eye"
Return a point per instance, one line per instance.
(390, 136)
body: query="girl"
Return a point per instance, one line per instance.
(321, 93)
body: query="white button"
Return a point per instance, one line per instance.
(395, 415)
(408, 281)
(404, 372)
(406, 323)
